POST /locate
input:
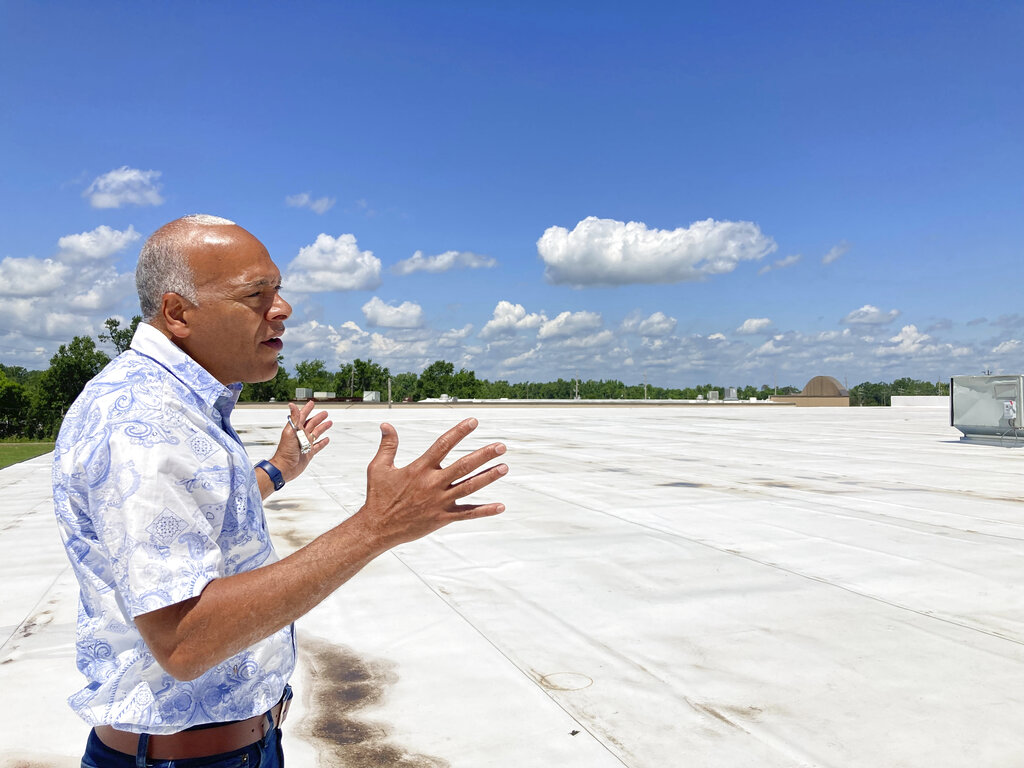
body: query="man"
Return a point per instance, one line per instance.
(185, 621)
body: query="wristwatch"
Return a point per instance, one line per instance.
(273, 473)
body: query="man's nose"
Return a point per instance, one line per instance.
(280, 309)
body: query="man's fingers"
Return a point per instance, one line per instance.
(385, 455)
(473, 511)
(295, 414)
(473, 461)
(480, 480)
(317, 425)
(435, 454)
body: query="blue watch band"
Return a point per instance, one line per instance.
(273, 473)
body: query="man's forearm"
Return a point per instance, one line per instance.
(235, 612)
(402, 504)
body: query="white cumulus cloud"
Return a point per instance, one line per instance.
(406, 315)
(443, 262)
(319, 205)
(105, 293)
(509, 318)
(100, 243)
(333, 264)
(908, 340)
(569, 324)
(657, 324)
(609, 252)
(755, 325)
(31, 276)
(1010, 345)
(771, 348)
(870, 315)
(124, 186)
(588, 341)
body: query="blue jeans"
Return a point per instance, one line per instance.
(265, 753)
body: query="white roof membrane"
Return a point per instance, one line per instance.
(693, 586)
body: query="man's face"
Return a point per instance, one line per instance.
(235, 330)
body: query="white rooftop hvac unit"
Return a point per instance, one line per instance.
(987, 409)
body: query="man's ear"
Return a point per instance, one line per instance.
(174, 311)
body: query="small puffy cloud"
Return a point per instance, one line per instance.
(333, 264)
(406, 315)
(512, 363)
(1010, 345)
(105, 293)
(98, 244)
(716, 337)
(443, 262)
(569, 324)
(789, 261)
(454, 337)
(771, 348)
(870, 315)
(305, 200)
(31, 276)
(588, 341)
(908, 340)
(124, 186)
(657, 324)
(609, 252)
(509, 318)
(755, 325)
(835, 252)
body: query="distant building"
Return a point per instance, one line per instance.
(819, 391)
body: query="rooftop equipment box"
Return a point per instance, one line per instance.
(986, 405)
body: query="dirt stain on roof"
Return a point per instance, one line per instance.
(339, 685)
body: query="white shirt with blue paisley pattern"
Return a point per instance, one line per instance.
(155, 497)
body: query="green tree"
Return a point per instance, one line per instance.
(17, 373)
(70, 370)
(13, 407)
(868, 393)
(436, 380)
(120, 337)
(403, 386)
(370, 377)
(465, 385)
(314, 375)
(280, 388)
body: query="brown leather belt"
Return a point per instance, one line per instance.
(199, 742)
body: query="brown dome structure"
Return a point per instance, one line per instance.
(821, 390)
(824, 386)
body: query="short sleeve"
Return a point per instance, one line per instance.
(158, 510)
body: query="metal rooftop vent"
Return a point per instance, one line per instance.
(987, 409)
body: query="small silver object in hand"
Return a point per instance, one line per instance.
(304, 445)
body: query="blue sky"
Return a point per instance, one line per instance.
(737, 193)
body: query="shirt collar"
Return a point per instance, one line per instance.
(153, 344)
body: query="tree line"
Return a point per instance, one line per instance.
(33, 403)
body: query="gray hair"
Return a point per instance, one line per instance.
(163, 263)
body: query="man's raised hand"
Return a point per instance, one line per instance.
(406, 503)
